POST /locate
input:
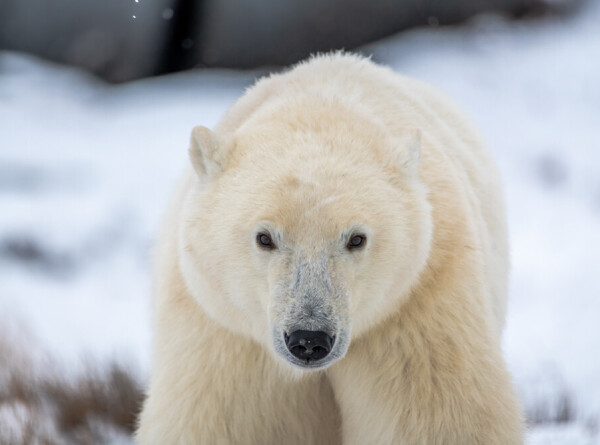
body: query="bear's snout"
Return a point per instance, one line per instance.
(309, 345)
(309, 318)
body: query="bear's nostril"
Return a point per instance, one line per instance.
(319, 350)
(298, 350)
(309, 345)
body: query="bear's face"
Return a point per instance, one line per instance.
(301, 250)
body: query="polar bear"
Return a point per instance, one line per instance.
(333, 270)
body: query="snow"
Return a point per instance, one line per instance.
(86, 171)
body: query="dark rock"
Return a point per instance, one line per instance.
(127, 39)
(101, 36)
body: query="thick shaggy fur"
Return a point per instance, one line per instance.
(334, 146)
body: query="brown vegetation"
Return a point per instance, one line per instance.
(42, 404)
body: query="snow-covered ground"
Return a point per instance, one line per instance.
(86, 170)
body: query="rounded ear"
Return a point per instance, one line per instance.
(408, 151)
(206, 152)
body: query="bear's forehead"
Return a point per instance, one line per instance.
(308, 194)
(303, 207)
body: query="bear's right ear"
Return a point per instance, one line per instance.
(206, 152)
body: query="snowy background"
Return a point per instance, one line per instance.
(86, 170)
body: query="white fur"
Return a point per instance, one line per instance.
(333, 147)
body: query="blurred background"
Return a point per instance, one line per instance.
(97, 100)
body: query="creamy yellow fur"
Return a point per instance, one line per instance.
(335, 143)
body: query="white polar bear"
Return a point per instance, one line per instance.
(333, 270)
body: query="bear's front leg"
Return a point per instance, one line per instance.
(407, 382)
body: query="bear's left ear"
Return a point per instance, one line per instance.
(408, 151)
(206, 152)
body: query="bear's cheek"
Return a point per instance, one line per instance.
(380, 284)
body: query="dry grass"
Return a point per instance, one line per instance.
(39, 404)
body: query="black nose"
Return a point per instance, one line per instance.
(309, 345)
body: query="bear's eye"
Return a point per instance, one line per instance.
(264, 240)
(356, 242)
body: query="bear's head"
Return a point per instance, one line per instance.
(302, 231)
